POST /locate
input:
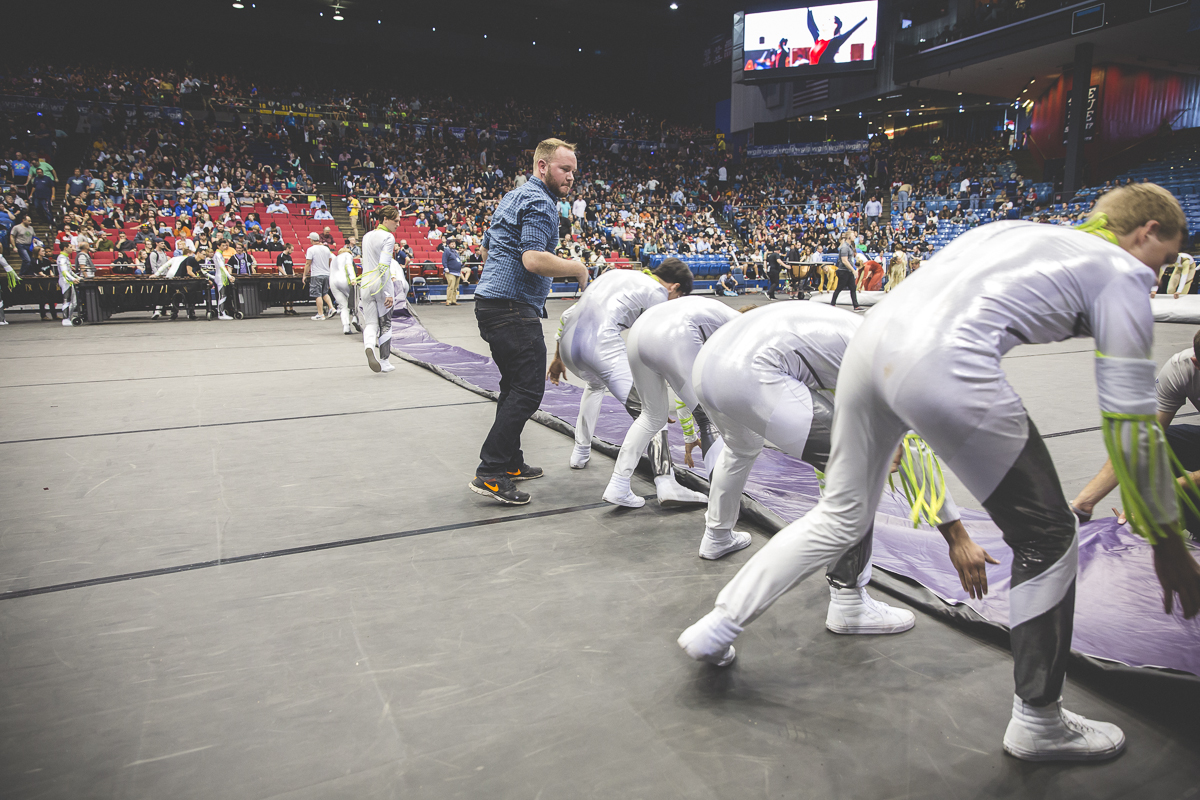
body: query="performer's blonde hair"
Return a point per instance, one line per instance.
(547, 148)
(1132, 206)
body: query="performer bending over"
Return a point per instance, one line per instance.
(590, 346)
(988, 291)
(375, 293)
(663, 344)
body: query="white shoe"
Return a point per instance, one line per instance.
(318, 317)
(854, 611)
(386, 366)
(156, 315)
(1051, 733)
(346, 330)
(713, 547)
(3, 322)
(373, 360)
(711, 639)
(66, 322)
(330, 313)
(670, 493)
(580, 457)
(224, 316)
(620, 494)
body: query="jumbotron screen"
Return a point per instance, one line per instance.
(841, 34)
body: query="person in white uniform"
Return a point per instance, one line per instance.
(376, 294)
(591, 347)
(214, 267)
(341, 285)
(991, 289)
(771, 375)
(67, 279)
(12, 279)
(663, 344)
(1178, 382)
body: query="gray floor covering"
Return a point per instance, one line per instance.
(244, 566)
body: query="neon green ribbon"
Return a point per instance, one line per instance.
(686, 421)
(926, 501)
(1097, 225)
(13, 279)
(1137, 509)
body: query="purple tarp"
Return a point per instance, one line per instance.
(1118, 607)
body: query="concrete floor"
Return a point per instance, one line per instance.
(240, 565)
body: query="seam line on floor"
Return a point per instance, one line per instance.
(290, 551)
(244, 422)
(174, 377)
(1097, 427)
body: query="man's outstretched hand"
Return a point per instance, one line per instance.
(1179, 574)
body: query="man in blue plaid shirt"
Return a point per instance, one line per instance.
(510, 300)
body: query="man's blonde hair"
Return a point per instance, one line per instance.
(389, 212)
(547, 148)
(1132, 206)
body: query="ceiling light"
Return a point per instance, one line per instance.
(674, 6)
(960, 94)
(485, 36)
(337, 15)
(238, 5)
(435, 30)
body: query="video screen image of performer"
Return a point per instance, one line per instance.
(991, 289)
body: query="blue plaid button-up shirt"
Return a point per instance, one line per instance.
(526, 219)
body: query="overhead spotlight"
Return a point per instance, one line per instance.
(378, 22)
(435, 30)
(485, 36)
(674, 6)
(535, 42)
(960, 94)
(581, 49)
(238, 5)
(337, 14)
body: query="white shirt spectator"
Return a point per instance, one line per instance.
(277, 208)
(965, 186)
(322, 214)
(579, 208)
(722, 174)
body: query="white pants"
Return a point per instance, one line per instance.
(654, 365)
(376, 321)
(607, 366)
(342, 294)
(968, 419)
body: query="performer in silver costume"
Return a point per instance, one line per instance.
(928, 359)
(375, 290)
(67, 278)
(771, 376)
(341, 286)
(663, 344)
(591, 347)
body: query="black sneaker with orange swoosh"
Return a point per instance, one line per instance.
(525, 473)
(500, 487)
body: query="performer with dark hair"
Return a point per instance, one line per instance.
(825, 50)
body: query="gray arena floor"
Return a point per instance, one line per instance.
(265, 577)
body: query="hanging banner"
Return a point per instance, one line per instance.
(459, 133)
(806, 149)
(1091, 115)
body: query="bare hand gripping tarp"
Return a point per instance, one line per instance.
(1118, 604)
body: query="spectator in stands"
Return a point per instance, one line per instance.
(354, 208)
(157, 257)
(326, 237)
(242, 262)
(873, 211)
(21, 239)
(452, 269)
(902, 195)
(277, 207)
(318, 204)
(322, 214)
(44, 192)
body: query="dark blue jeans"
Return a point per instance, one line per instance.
(513, 330)
(1184, 441)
